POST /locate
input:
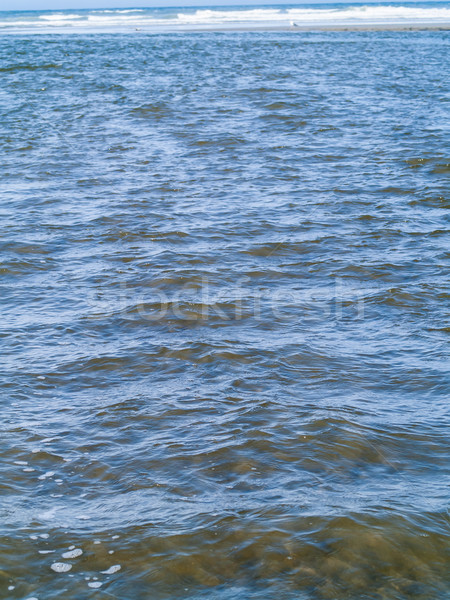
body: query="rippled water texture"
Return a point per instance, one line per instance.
(224, 265)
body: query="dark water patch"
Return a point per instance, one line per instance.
(28, 67)
(153, 111)
(443, 168)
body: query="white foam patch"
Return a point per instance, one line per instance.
(301, 16)
(112, 570)
(95, 584)
(46, 475)
(60, 567)
(48, 515)
(73, 553)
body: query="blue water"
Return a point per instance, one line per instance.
(224, 316)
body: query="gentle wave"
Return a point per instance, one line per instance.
(372, 13)
(157, 19)
(59, 17)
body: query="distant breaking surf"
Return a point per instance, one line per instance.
(155, 20)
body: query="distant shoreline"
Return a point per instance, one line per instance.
(238, 29)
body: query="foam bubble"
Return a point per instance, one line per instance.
(73, 553)
(46, 475)
(60, 567)
(112, 570)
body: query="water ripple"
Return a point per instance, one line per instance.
(224, 288)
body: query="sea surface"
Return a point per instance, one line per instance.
(224, 316)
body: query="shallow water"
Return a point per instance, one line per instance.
(224, 292)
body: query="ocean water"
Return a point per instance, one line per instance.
(157, 20)
(224, 316)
